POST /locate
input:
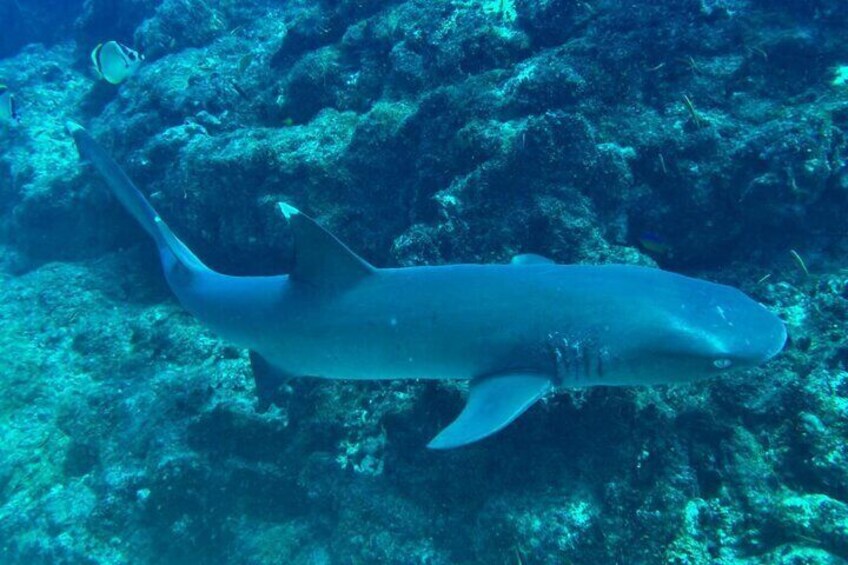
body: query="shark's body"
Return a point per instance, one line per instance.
(516, 331)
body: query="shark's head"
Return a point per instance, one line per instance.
(702, 330)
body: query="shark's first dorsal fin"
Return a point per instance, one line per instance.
(320, 258)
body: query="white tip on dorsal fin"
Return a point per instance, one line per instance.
(287, 210)
(320, 259)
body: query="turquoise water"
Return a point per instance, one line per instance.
(707, 138)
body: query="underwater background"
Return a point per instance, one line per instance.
(706, 137)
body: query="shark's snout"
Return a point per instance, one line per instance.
(776, 340)
(752, 333)
(733, 330)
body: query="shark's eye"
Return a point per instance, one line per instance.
(722, 363)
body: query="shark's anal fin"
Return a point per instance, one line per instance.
(267, 378)
(493, 402)
(319, 257)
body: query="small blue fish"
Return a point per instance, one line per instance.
(654, 243)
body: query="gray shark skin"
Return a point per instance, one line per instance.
(516, 331)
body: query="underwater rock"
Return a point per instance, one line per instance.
(420, 132)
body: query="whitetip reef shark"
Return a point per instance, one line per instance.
(516, 331)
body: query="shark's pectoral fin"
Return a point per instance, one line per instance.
(320, 259)
(530, 259)
(493, 402)
(268, 380)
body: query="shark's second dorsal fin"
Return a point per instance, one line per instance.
(320, 259)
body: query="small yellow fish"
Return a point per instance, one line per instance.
(244, 63)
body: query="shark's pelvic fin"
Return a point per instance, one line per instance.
(132, 199)
(319, 258)
(493, 402)
(530, 259)
(268, 380)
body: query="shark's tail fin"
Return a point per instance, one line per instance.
(132, 199)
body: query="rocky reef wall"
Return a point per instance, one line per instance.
(702, 136)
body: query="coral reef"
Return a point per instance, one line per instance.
(420, 132)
